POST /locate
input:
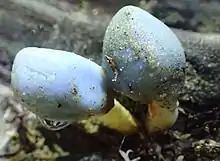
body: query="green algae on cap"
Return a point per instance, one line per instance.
(141, 55)
(59, 85)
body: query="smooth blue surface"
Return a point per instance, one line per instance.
(58, 85)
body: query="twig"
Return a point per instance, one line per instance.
(125, 155)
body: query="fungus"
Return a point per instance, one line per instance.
(149, 61)
(59, 85)
(60, 88)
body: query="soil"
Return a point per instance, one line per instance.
(195, 136)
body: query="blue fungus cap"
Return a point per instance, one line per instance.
(142, 57)
(59, 85)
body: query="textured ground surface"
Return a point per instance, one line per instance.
(54, 24)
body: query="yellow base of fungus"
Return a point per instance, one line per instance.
(160, 117)
(118, 118)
